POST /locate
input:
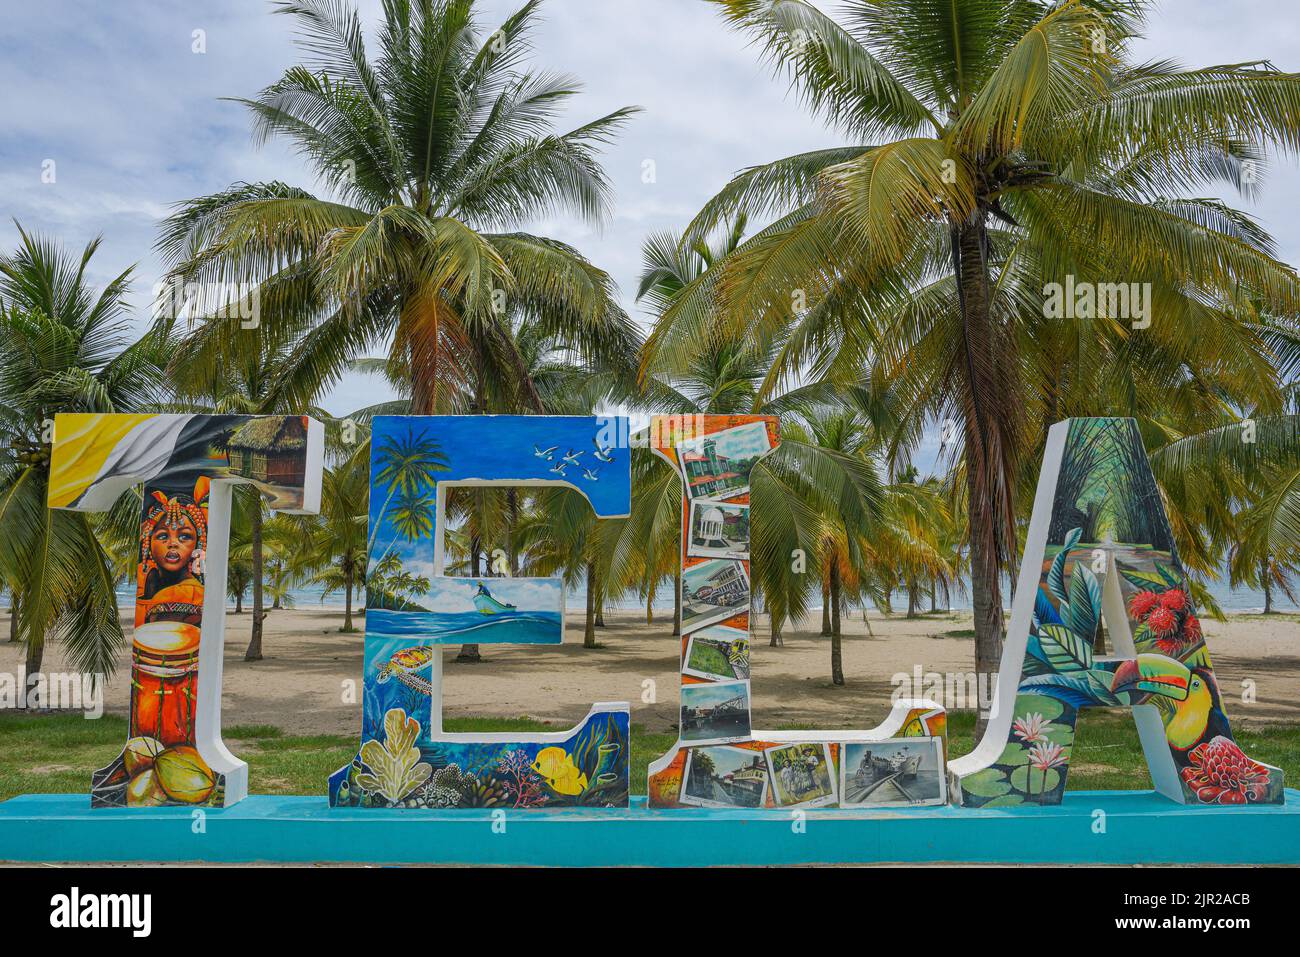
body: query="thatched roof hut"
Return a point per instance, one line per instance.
(269, 448)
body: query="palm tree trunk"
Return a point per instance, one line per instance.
(239, 603)
(777, 640)
(837, 658)
(589, 634)
(600, 608)
(677, 604)
(989, 368)
(512, 510)
(470, 653)
(986, 598)
(13, 616)
(32, 664)
(650, 606)
(347, 602)
(826, 608)
(1268, 587)
(254, 652)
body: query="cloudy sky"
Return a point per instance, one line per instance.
(116, 98)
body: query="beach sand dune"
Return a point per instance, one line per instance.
(300, 685)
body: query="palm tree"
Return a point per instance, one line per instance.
(994, 148)
(688, 368)
(549, 377)
(286, 559)
(643, 551)
(63, 348)
(236, 370)
(562, 536)
(1240, 479)
(433, 153)
(337, 537)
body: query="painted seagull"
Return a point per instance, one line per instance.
(545, 453)
(603, 453)
(571, 458)
(558, 468)
(589, 474)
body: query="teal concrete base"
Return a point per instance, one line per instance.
(1138, 827)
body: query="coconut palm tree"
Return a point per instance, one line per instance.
(1241, 481)
(234, 370)
(336, 539)
(286, 559)
(688, 368)
(990, 148)
(431, 154)
(63, 348)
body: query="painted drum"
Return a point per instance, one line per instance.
(165, 670)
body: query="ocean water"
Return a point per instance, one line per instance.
(1241, 600)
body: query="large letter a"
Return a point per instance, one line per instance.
(1099, 545)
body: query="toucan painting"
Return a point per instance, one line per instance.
(1101, 546)
(1200, 739)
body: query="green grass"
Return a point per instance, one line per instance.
(57, 753)
(710, 659)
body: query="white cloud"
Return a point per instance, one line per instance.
(134, 120)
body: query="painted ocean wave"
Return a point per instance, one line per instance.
(441, 628)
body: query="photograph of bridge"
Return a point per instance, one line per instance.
(715, 712)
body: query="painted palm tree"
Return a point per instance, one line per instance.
(995, 147)
(406, 466)
(431, 153)
(63, 348)
(412, 516)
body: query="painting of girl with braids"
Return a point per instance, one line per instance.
(173, 538)
(160, 764)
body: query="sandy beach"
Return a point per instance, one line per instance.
(300, 685)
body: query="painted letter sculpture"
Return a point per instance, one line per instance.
(188, 465)
(1099, 546)
(719, 761)
(413, 611)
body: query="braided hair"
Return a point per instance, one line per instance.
(171, 512)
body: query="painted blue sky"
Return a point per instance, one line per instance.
(501, 448)
(117, 97)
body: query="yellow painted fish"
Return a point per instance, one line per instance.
(561, 774)
(406, 661)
